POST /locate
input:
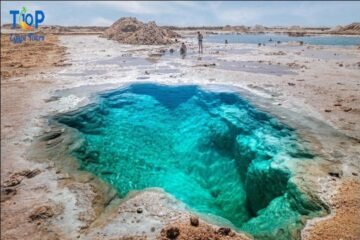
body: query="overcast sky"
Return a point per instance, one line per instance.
(189, 13)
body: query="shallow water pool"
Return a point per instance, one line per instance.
(213, 151)
(264, 38)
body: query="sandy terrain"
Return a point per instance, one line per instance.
(339, 225)
(314, 88)
(24, 59)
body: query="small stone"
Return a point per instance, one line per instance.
(12, 181)
(335, 174)
(7, 193)
(139, 210)
(31, 173)
(172, 232)
(224, 231)
(152, 229)
(194, 221)
(17, 177)
(41, 212)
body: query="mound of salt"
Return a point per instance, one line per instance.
(131, 31)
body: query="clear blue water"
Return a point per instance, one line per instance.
(264, 38)
(213, 151)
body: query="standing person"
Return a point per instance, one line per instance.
(200, 40)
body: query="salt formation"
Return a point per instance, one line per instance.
(352, 29)
(131, 31)
(241, 28)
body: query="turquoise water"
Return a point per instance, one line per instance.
(213, 151)
(264, 38)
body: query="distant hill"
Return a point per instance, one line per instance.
(351, 29)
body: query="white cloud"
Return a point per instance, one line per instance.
(134, 7)
(100, 21)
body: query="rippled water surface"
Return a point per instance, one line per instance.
(264, 38)
(211, 150)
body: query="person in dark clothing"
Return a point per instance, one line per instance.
(200, 41)
(183, 49)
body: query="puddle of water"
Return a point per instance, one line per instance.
(85, 73)
(143, 77)
(126, 61)
(237, 51)
(326, 55)
(264, 38)
(166, 71)
(254, 67)
(163, 69)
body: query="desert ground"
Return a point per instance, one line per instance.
(315, 89)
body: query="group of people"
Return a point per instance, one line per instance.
(183, 48)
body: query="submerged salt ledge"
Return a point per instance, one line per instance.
(213, 151)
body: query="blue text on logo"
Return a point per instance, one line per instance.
(28, 18)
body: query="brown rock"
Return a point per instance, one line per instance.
(224, 231)
(335, 174)
(13, 181)
(42, 212)
(172, 232)
(203, 232)
(194, 221)
(7, 193)
(17, 177)
(30, 173)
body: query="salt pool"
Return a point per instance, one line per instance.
(213, 151)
